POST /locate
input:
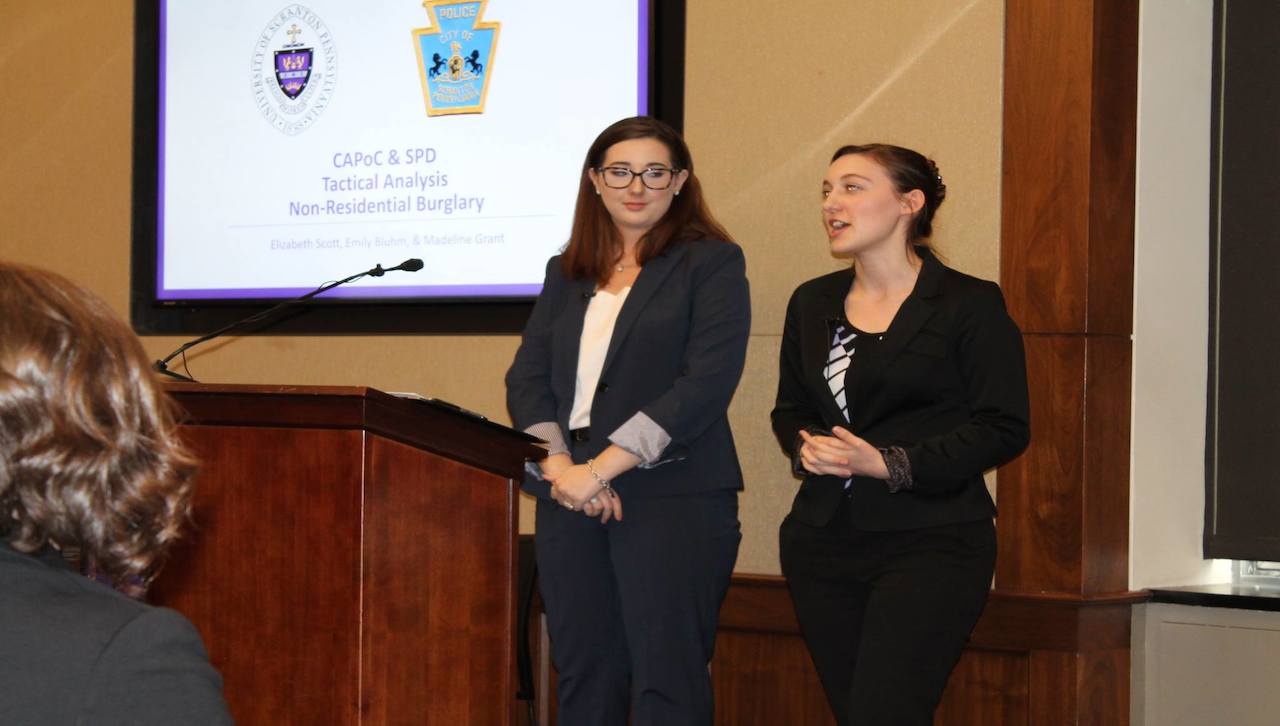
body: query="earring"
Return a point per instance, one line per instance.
(677, 192)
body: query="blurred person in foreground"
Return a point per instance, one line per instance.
(89, 463)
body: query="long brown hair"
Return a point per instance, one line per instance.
(594, 242)
(88, 451)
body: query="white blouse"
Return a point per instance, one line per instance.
(597, 331)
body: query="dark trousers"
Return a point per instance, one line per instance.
(632, 606)
(886, 614)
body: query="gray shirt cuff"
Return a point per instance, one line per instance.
(549, 431)
(644, 438)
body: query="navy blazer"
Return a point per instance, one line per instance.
(73, 651)
(948, 384)
(677, 354)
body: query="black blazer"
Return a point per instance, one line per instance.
(73, 651)
(948, 384)
(677, 353)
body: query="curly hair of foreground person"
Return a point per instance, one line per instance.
(89, 455)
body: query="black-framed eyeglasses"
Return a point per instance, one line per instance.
(656, 178)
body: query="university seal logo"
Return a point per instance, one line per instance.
(294, 69)
(455, 56)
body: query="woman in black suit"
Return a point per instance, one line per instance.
(89, 462)
(626, 367)
(901, 382)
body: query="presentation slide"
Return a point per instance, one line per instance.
(303, 143)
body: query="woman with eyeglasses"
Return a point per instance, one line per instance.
(901, 382)
(626, 368)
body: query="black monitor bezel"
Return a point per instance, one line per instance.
(151, 316)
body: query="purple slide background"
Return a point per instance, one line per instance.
(356, 292)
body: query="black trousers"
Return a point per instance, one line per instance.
(632, 606)
(886, 614)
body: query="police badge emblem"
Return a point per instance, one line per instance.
(455, 56)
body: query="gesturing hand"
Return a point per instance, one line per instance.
(842, 454)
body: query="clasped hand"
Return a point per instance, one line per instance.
(574, 486)
(842, 454)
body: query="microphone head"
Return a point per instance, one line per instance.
(411, 265)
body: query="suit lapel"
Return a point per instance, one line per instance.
(911, 316)
(829, 306)
(647, 283)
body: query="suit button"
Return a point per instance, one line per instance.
(602, 388)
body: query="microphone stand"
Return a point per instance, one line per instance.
(162, 365)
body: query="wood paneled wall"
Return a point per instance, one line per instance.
(1032, 660)
(1060, 599)
(1067, 272)
(1028, 662)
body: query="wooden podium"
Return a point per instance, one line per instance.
(353, 555)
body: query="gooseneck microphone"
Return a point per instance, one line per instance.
(412, 264)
